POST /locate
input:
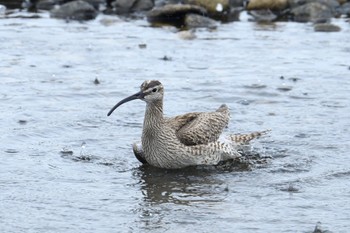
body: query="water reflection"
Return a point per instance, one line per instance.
(176, 191)
(186, 186)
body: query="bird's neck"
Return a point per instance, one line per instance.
(153, 114)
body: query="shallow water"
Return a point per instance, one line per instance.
(67, 167)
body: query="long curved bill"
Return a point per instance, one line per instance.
(138, 95)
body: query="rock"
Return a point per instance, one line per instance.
(46, 5)
(173, 14)
(123, 6)
(12, 4)
(326, 27)
(96, 3)
(267, 5)
(159, 3)
(128, 6)
(312, 12)
(330, 3)
(143, 5)
(50, 4)
(217, 9)
(345, 9)
(76, 10)
(198, 21)
(263, 15)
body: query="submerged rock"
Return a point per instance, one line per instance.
(198, 21)
(326, 27)
(173, 14)
(312, 12)
(263, 15)
(129, 6)
(76, 10)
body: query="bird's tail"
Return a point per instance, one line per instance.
(241, 139)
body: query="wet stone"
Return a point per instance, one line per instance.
(166, 58)
(173, 14)
(12, 4)
(263, 15)
(76, 10)
(284, 88)
(345, 9)
(128, 6)
(198, 21)
(51, 4)
(46, 4)
(290, 189)
(11, 151)
(255, 86)
(96, 81)
(66, 152)
(326, 27)
(312, 12)
(22, 122)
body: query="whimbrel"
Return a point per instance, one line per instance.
(184, 140)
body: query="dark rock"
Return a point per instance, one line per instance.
(76, 10)
(96, 3)
(123, 6)
(329, 3)
(12, 4)
(46, 4)
(96, 81)
(143, 5)
(318, 229)
(166, 58)
(198, 21)
(263, 15)
(216, 9)
(312, 12)
(326, 27)
(128, 6)
(173, 14)
(345, 9)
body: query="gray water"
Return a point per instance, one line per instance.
(67, 167)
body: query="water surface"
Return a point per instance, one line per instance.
(67, 167)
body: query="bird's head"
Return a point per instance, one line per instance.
(150, 91)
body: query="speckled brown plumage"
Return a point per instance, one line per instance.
(185, 140)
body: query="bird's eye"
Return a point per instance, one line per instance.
(154, 90)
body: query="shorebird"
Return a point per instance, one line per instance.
(185, 140)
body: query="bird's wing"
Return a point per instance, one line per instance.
(200, 127)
